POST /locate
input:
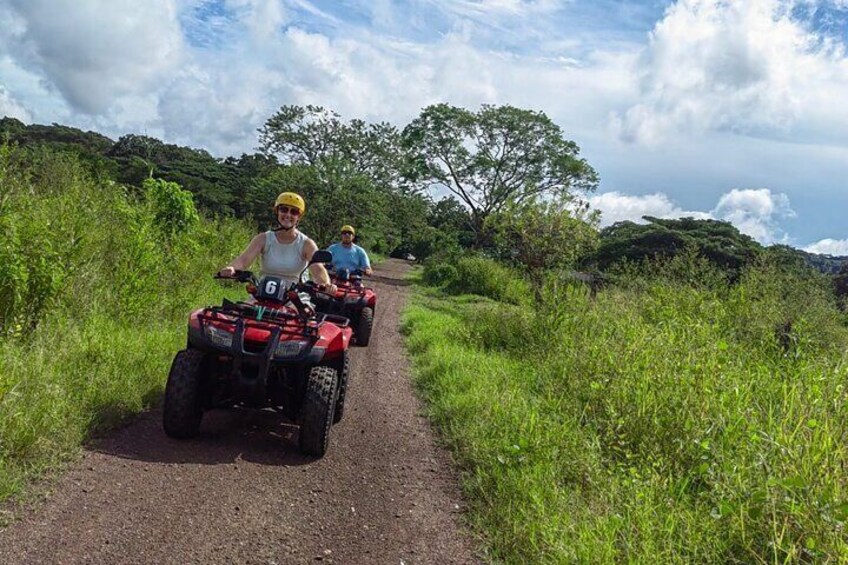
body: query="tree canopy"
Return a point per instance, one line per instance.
(315, 136)
(495, 157)
(719, 242)
(512, 180)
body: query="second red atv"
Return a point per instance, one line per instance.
(273, 352)
(352, 300)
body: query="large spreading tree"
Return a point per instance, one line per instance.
(493, 158)
(315, 136)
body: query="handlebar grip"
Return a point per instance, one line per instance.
(240, 276)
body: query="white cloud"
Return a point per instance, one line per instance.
(263, 17)
(829, 247)
(11, 107)
(92, 51)
(755, 212)
(124, 67)
(616, 207)
(500, 8)
(746, 66)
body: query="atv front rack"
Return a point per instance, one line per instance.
(261, 315)
(274, 316)
(281, 325)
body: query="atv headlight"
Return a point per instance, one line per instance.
(290, 348)
(220, 338)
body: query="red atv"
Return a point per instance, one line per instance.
(275, 352)
(352, 300)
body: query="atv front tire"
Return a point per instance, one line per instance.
(343, 379)
(363, 328)
(316, 414)
(182, 412)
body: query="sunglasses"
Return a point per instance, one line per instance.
(288, 210)
(347, 233)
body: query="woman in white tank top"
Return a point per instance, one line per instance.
(285, 251)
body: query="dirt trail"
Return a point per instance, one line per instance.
(241, 493)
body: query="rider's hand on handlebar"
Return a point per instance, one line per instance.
(227, 272)
(368, 271)
(329, 288)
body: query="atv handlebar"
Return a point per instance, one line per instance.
(312, 286)
(346, 274)
(240, 276)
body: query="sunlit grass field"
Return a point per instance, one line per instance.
(663, 421)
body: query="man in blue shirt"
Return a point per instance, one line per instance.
(348, 255)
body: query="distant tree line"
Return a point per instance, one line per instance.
(502, 181)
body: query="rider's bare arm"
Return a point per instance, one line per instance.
(247, 257)
(317, 270)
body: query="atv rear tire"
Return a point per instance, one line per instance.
(363, 328)
(316, 414)
(343, 379)
(182, 412)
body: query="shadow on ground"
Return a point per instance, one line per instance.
(226, 436)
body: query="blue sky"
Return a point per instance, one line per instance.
(730, 109)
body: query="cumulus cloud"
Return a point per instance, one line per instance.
(208, 73)
(755, 212)
(92, 51)
(11, 108)
(746, 66)
(617, 207)
(829, 247)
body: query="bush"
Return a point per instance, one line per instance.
(683, 419)
(486, 277)
(173, 207)
(476, 275)
(95, 287)
(439, 274)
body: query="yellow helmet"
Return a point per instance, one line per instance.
(292, 200)
(348, 227)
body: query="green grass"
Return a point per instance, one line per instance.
(73, 380)
(661, 423)
(94, 297)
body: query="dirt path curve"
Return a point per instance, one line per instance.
(241, 493)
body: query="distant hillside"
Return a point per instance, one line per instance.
(219, 185)
(829, 264)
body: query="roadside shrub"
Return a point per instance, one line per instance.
(173, 208)
(438, 274)
(788, 313)
(13, 275)
(486, 277)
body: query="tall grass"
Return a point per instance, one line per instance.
(662, 421)
(94, 294)
(477, 275)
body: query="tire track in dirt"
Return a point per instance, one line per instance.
(241, 493)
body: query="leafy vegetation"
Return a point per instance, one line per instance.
(720, 242)
(495, 157)
(668, 419)
(95, 285)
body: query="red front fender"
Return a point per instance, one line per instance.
(334, 339)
